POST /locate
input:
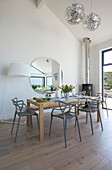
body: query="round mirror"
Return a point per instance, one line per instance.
(46, 75)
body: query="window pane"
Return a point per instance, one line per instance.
(108, 78)
(108, 57)
(34, 70)
(49, 82)
(107, 68)
(39, 81)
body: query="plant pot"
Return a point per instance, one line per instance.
(51, 88)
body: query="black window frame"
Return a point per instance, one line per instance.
(103, 52)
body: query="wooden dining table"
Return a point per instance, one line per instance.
(41, 106)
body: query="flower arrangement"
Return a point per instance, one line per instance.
(66, 88)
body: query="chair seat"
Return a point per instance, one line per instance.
(87, 109)
(68, 115)
(27, 112)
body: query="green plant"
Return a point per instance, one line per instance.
(52, 86)
(34, 86)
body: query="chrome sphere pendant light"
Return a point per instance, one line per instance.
(74, 14)
(92, 21)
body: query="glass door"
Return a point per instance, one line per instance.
(107, 77)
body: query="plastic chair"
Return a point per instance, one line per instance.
(104, 100)
(66, 113)
(22, 111)
(91, 107)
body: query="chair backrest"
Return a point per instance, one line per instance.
(100, 96)
(83, 93)
(105, 96)
(19, 105)
(93, 103)
(68, 105)
(14, 100)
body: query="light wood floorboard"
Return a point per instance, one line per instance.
(93, 153)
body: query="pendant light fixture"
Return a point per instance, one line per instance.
(74, 14)
(92, 21)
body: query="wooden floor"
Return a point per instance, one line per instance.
(94, 152)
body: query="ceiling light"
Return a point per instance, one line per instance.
(91, 22)
(74, 14)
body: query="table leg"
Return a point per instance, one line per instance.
(78, 110)
(98, 105)
(28, 117)
(41, 123)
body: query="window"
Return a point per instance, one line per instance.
(34, 70)
(38, 79)
(107, 76)
(48, 82)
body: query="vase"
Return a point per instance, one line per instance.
(66, 95)
(51, 88)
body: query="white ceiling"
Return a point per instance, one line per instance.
(43, 64)
(101, 7)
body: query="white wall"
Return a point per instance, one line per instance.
(25, 34)
(95, 64)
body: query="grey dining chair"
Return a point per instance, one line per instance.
(22, 111)
(66, 113)
(89, 108)
(103, 100)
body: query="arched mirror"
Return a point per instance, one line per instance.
(46, 74)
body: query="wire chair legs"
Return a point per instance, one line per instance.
(91, 123)
(100, 120)
(106, 109)
(86, 117)
(13, 124)
(50, 125)
(76, 120)
(17, 128)
(19, 124)
(64, 126)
